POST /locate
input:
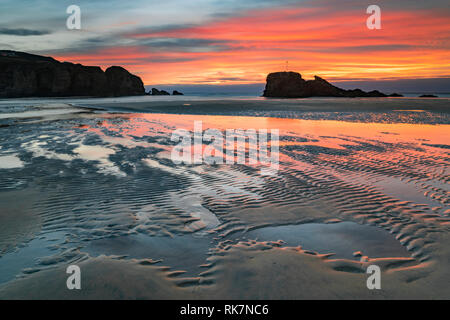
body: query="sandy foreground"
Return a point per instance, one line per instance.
(98, 189)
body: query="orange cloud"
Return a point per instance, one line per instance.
(334, 44)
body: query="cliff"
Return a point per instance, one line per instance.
(292, 85)
(28, 75)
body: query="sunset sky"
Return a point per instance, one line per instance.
(237, 42)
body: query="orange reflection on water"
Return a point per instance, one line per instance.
(139, 125)
(423, 140)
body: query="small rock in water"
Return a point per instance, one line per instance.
(364, 259)
(357, 254)
(156, 92)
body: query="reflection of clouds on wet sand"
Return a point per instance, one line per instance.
(11, 161)
(101, 155)
(111, 188)
(98, 154)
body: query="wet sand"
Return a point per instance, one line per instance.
(101, 192)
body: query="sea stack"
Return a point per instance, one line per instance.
(28, 75)
(156, 92)
(292, 85)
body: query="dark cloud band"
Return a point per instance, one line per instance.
(23, 32)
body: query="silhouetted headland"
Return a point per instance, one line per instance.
(28, 75)
(292, 85)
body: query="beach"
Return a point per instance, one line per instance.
(91, 182)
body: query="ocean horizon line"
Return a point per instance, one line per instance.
(402, 86)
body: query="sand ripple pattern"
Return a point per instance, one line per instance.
(104, 177)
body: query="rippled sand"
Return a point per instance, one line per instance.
(99, 190)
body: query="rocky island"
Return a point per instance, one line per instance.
(28, 75)
(292, 85)
(156, 92)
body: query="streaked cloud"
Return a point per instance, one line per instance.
(23, 32)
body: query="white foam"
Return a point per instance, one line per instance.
(10, 162)
(43, 111)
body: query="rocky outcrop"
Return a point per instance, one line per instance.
(156, 92)
(124, 83)
(27, 75)
(428, 96)
(292, 85)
